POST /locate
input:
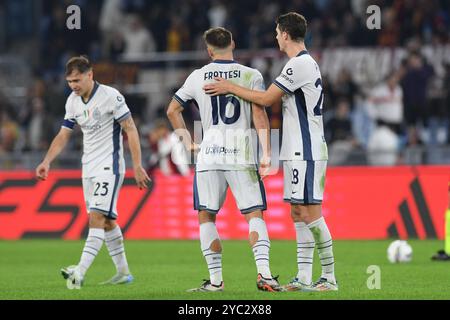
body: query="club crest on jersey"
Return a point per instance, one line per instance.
(96, 115)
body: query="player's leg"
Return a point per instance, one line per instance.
(75, 274)
(312, 216)
(305, 248)
(94, 241)
(294, 184)
(105, 200)
(248, 190)
(115, 243)
(259, 241)
(209, 194)
(211, 247)
(324, 242)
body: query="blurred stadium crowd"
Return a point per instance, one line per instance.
(401, 120)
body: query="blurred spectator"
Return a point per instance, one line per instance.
(383, 147)
(116, 47)
(345, 87)
(138, 39)
(436, 127)
(177, 36)
(217, 14)
(339, 135)
(168, 153)
(446, 87)
(415, 84)
(386, 103)
(40, 131)
(363, 124)
(339, 128)
(413, 153)
(390, 32)
(9, 132)
(111, 21)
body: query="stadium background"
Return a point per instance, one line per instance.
(389, 151)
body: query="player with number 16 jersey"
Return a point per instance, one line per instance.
(226, 120)
(226, 156)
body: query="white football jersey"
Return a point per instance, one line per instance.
(99, 120)
(303, 136)
(226, 119)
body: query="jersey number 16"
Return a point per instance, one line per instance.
(219, 107)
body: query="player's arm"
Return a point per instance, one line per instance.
(263, 98)
(261, 122)
(140, 175)
(57, 145)
(177, 121)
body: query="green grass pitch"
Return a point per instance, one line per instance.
(163, 270)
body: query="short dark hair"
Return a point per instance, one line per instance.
(293, 24)
(79, 63)
(218, 37)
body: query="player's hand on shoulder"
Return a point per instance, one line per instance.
(141, 177)
(42, 171)
(221, 86)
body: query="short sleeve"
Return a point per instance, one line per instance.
(187, 91)
(292, 77)
(258, 82)
(69, 118)
(121, 110)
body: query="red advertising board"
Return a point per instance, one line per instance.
(359, 203)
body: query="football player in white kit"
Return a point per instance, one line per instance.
(303, 150)
(102, 114)
(225, 157)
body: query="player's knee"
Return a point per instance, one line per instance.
(205, 216)
(254, 214)
(253, 237)
(311, 213)
(296, 213)
(110, 224)
(216, 246)
(257, 230)
(97, 220)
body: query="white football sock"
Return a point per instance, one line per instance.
(261, 247)
(324, 244)
(116, 249)
(208, 233)
(305, 252)
(92, 247)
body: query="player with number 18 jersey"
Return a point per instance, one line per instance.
(304, 148)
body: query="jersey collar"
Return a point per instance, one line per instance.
(94, 90)
(223, 61)
(302, 53)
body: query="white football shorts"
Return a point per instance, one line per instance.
(210, 189)
(304, 181)
(101, 194)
